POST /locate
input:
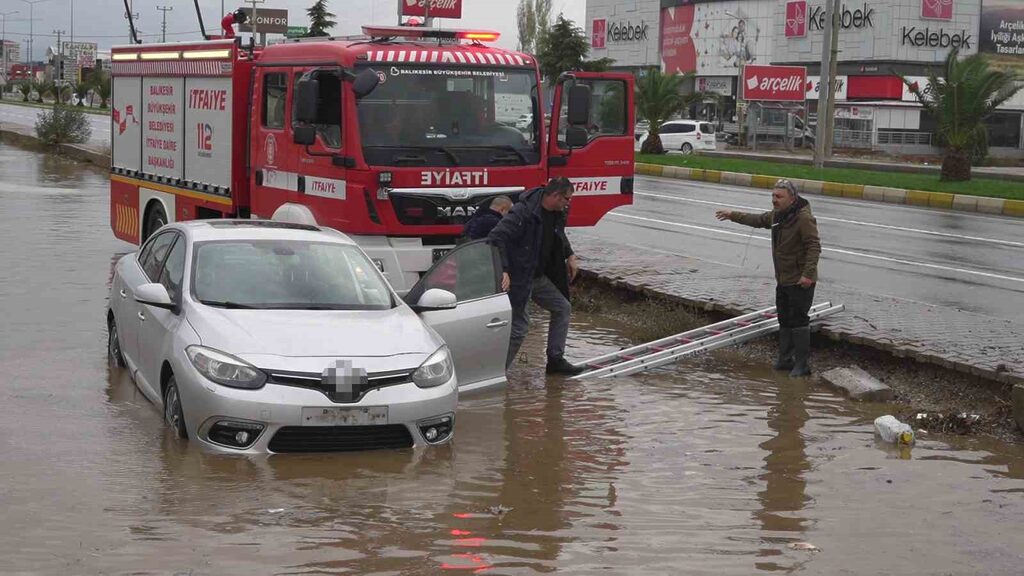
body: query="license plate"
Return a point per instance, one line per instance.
(336, 416)
(440, 253)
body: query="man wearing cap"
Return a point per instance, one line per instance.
(538, 265)
(795, 251)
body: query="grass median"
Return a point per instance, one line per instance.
(49, 106)
(926, 182)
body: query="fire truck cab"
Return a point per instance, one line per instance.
(394, 139)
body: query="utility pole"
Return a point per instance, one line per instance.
(31, 31)
(254, 2)
(824, 86)
(59, 80)
(833, 83)
(131, 15)
(163, 26)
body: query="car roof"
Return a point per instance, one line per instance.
(687, 122)
(240, 229)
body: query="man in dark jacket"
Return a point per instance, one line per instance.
(538, 264)
(485, 219)
(795, 251)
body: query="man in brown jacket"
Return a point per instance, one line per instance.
(795, 251)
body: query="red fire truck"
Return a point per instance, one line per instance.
(394, 139)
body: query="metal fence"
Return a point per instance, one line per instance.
(852, 139)
(893, 137)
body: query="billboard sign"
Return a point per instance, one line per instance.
(774, 83)
(438, 8)
(796, 19)
(937, 9)
(1002, 32)
(814, 87)
(597, 34)
(268, 20)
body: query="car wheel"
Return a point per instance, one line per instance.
(686, 148)
(173, 413)
(156, 219)
(114, 354)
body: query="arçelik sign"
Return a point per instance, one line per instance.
(774, 83)
(438, 8)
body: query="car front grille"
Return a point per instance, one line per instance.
(340, 438)
(315, 381)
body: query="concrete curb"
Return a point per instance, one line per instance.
(73, 151)
(956, 202)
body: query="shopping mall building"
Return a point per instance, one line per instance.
(880, 40)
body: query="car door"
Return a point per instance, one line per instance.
(156, 325)
(131, 272)
(477, 330)
(670, 136)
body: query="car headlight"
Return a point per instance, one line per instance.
(437, 370)
(225, 369)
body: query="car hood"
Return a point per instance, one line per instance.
(306, 333)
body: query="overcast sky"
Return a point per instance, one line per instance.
(102, 21)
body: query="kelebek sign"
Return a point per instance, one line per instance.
(774, 83)
(937, 9)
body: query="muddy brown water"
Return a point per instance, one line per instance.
(713, 466)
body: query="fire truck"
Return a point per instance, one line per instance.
(394, 138)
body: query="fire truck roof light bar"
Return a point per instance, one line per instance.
(124, 56)
(197, 54)
(160, 55)
(442, 34)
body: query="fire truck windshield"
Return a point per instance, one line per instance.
(429, 115)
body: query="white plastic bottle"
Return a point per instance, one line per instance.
(893, 431)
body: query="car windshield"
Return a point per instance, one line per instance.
(286, 274)
(428, 115)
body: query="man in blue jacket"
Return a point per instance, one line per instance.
(538, 264)
(485, 219)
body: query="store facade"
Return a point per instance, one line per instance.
(880, 40)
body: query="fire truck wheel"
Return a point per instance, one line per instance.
(155, 219)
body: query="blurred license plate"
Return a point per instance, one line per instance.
(331, 416)
(440, 252)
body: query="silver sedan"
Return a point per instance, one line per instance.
(257, 336)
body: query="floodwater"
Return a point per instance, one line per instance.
(715, 466)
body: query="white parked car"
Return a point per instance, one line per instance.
(686, 136)
(259, 336)
(524, 121)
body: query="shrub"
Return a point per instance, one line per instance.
(63, 126)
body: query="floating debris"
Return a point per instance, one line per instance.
(804, 547)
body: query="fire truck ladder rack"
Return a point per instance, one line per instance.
(672, 348)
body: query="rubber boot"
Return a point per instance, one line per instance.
(785, 360)
(801, 352)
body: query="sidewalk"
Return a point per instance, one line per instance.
(839, 161)
(962, 341)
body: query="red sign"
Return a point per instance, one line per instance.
(600, 31)
(438, 8)
(774, 83)
(796, 19)
(677, 50)
(937, 9)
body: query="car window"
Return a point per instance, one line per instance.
(607, 109)
(469, 272)
(157, 251)
(687, 128)
(275, 90)
(287, 274)
(669, 128)
(174, 270)
(707, 128)
(328, 107)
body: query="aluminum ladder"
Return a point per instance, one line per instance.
(692, 342)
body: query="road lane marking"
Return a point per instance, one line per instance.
(824, 249)
(857, 222)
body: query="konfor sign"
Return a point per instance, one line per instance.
(438, 8)
(774, 83)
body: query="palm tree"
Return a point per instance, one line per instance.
(657, 99)
(42, 89)
(960, 101)
(103, 91)
(25, 88)
(82, 89)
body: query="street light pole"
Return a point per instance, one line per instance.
(31, 19)
(824, 88)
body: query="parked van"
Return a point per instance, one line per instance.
(686, 136)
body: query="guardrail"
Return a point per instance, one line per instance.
(893, 137)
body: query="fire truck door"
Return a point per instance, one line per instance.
(600, 161)
(274, 174)
(321, 165)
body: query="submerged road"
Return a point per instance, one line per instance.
(26, 116)
(966, 261)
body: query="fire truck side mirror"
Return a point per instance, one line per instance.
(579, 105)
(304, 135)
(306, 92)
(365, 82)
(576, 137)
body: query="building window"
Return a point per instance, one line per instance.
(1003, 130)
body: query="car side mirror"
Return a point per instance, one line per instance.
(579, 105)
(304, 135)
(154, 295)
(365, 83)
(306, 91)
(576, 137)
(435, 299)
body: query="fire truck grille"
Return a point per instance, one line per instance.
(414, 210)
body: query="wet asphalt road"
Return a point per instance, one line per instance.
(26, 116)
(954, 259)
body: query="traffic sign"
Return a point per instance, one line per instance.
(296, 32)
